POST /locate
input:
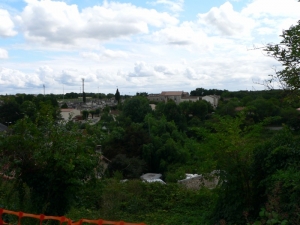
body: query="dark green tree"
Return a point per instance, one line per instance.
(84, 97)
(10, 112)
(29, 109)
(51, 160)
(136, 108)
(85, 114)
(118, 96)
(64, 106)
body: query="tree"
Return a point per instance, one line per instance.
(53, 161)
(136, 108)
(10, 112)
(287, 53)
(85, 114)
(64, 106)
(29, 109)
(84, 97)
(117, 96)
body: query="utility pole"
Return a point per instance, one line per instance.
(44, 89)
(82, 85)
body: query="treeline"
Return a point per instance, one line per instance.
(14, 108)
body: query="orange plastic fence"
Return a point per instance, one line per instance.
(61, 219)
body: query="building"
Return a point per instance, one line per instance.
(212, 99)
(176, 96)
(181, 96)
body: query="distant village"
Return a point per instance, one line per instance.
(75, 108)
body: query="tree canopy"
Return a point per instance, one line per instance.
(288, 55)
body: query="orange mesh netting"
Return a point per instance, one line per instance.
(61, 219)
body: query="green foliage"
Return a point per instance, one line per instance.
(128, 167)
(10, 112)
(118, 96)
(260, 109)
(287, 53)
(233, 148)
(203, 92)
(64, 106)
(85, 114)
(51, 160)
(275, 168)
(29, 109)
(153, 203)
(84, 97)
(136, 108)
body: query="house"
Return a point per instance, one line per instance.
(212, 99)
(176, 96)
(68, 114)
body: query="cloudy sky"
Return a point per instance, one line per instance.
(138, 46)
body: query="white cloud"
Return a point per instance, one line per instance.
(224, 20)
(185, 35)
(272, 16)
(267, 8)
(57, 22)
(106, 54)
(6, 24)
(141, 69)
(175, 6)
(16, 78)
(3, 54)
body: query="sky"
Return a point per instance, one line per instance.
(139, 46)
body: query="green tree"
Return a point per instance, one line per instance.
(288, 55)
(118, 96)
(232, 144)
(64, 106)
(84, 97)
(85, 114)
(136, 108)
(276, 175)
(10, 112)
(51, 160)
(29, 109)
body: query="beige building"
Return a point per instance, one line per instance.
(181, 96)
(212, 99)
(176, 96)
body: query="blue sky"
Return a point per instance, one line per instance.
(138, 46)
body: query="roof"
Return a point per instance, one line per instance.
(171, 93)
